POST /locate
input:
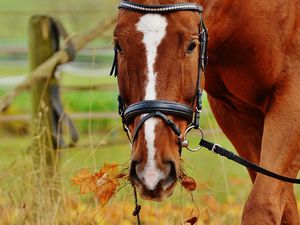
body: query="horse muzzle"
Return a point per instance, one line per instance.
(153, 183)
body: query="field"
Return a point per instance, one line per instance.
(222, 186)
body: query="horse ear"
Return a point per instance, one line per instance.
(114, 68)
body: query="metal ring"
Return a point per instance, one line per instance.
(128, 133)
(186, 145)
(198, 110)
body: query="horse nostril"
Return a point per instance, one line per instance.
(172, 177)
(173, 172)
(133, 173)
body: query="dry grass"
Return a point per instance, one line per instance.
(26, 199)
(26, 189)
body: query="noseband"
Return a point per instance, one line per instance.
(161, 108)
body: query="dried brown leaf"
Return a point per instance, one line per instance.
(192, 221)
(106, 190)
(103, 183)
(85, 180)
(188, 183)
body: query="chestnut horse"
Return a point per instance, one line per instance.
(252, 81)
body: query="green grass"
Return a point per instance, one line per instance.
(206, 167)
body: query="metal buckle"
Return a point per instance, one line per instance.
(214, 148)
(185, 143)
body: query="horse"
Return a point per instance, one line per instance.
(252, 83)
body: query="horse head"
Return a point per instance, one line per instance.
(157, 58)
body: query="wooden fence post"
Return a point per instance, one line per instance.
(43, 43)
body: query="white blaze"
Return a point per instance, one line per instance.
(154, 29)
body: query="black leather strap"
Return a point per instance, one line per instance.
(58, 27)
(166, 119)
(59, 117)
(166, 107)
(230, 155)
(203, 37)
(114, 68)
(58, 114)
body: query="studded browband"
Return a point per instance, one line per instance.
(160, 8)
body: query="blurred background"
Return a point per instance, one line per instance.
(89, 96)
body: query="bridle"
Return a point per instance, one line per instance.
(161, 108)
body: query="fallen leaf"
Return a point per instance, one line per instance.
(192, 221)
(188, 183)
(111, 169)
(103, 183)
(106, 190)
(85, 180)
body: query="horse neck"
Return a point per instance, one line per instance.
(221, 18)
(227, 17)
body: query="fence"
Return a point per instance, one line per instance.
(45, 55)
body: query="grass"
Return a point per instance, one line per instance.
(214, 183)
(222, 190)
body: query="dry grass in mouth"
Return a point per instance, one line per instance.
(109, 179)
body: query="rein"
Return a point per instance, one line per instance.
(161, 108)
(230, 155)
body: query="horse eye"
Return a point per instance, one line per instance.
(191, 47)
(119, 48)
